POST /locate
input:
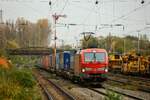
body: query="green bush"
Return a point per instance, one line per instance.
(24, 77)
(113, 96)
(18, 84)
(3, 52)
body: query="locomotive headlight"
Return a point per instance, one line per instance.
(106, 69)
(83, 70)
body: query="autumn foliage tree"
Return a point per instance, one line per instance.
(24, 33)
(119, 44)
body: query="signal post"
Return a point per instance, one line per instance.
(56, 17)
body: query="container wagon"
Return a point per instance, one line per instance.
(45, 62)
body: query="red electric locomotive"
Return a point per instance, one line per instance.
(84, 65)
(91, 64)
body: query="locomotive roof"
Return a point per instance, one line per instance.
(93, 49)
(90, 50)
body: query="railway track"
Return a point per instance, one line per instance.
(140, 87)
(64, 93)
(51, 90)
(141, 84)
(130, 77)
(46, 93)
(103, 89)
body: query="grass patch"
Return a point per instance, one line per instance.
(113, 96)
(70, 87)
(130, 87)
(123, 86)
(18, 84)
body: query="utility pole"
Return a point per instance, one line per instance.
(109, 43)
(77, 42)
(1, 16)
(62, 43)
(124, 45)
(2, 33)
(138, 42)
(56, 17)
(139, 50)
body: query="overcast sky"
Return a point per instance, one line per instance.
(88, 15)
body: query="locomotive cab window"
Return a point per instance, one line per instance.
(89, 57)
(98, 57)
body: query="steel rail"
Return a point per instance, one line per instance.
(61, 90)
(47, 94)
(66, 94)
(99, 92)
(131, 77)
(45, 91)
(124, 94)
(140, 87)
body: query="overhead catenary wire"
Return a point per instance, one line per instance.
(96, 12)
(64, 7)
(28, 1)
(140, 30)
(127, 14)
(83, 22)
(36, 10)
(26, 5)
(51, 4)
(85, 19)
(16, 1)
(91, 10)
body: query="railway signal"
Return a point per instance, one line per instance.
(56, 17)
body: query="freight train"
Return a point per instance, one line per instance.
(83, 65)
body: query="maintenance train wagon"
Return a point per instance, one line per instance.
(87, 64)
(115, 62)
(134, 64)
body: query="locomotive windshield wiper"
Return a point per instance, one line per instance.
(94, 57)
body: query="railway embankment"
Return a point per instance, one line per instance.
(18, 84)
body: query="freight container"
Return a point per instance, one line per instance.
(72, 61)
(57, 61)
(45, 62)
(61, 61)
(51, 59)
(77, 68)
(52, 62)
(66, 60)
